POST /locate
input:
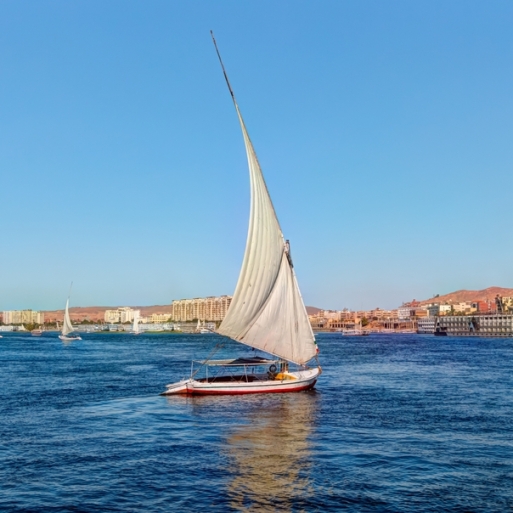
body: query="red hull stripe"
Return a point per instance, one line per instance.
(242, 392)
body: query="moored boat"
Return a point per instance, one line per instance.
(246, 376)
(355, 332)
(202, 329)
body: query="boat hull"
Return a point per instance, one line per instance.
(305, 381)
(69, 339)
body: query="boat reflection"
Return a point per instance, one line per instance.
(269, 455)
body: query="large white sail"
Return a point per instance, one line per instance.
(136, 323)
(267, 311)
(67, 328)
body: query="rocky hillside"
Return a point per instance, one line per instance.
(470, 295)
(96, 313)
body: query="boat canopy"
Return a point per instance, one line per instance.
(238, 362)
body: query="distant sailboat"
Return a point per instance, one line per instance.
(267, 311)
(355, 332)
(135, 327)
(201, 329)
(67, 327)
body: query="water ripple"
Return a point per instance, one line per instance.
(396, 423)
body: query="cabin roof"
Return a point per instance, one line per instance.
(238, 362)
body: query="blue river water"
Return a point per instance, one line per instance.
(396, 423)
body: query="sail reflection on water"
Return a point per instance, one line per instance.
(270, 456)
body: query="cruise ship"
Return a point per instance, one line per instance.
(492, 325)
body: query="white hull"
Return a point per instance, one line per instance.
(305, 380)
(354, 333)
(68, 339)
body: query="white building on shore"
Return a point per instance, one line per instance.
(121, 315)
(23, 317)
(209, 309)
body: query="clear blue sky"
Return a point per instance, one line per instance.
(384, 130)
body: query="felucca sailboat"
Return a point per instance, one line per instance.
(266, 312)
(67, 327)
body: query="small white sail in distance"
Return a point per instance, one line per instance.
(267, 311)
(136, 323)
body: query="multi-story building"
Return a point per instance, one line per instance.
(23, 317)
(463, 307)
(378, 314)
(403, 312)
(436, 309)
(411, 310)
(111, 316)
(433, 310)
(128, 314)
(345, 315)
(204, 309)
(181, 310)
(123, 314)
(317, 322)
(330, 314)
(157, 318)
(483, 306)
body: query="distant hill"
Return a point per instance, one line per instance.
(95, 313)
(470, 295)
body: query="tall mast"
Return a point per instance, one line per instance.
(222, 66)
